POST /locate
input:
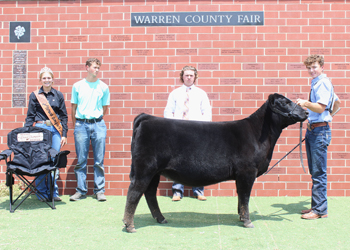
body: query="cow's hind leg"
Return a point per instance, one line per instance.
(151, 198)
(244, 186)
(132, 200)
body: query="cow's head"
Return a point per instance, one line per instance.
(283, 106)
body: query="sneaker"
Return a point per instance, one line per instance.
(101, 197)
(57, 198)
(176, 197)
(77, 196)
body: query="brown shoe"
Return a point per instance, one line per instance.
(313, 216)
(201, 197)
(176, 197)
(306, 211)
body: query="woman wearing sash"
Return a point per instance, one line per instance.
(56, 123)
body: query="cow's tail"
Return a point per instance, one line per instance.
(137, 122)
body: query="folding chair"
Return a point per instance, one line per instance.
(32, 156)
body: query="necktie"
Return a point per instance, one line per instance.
(186, 105)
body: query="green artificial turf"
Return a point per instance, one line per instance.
(192, 224)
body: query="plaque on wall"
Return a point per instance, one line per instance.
(18, 100)
(19, 32)
(19, 78)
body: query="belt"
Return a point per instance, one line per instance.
(47, 122)
(90, 120)
(315, 125)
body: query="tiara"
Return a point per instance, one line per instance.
(46, 69)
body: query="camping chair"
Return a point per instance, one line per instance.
(32, 156)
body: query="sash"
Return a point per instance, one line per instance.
(49, 111)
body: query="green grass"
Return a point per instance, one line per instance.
(213, 224)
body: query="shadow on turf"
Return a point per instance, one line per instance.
(195, 220)
(31, 203)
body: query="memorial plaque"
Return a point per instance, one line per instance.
(56, 53)
(161, 96)
(230, 111)
(136, 111)
(19, 32)
(186, 52)
(275, 81)
(120, 155)
(343, 96)
(19, 71)
(252, 96)
(342, 66)
(121, 67)
(121, 38)
(168, 37)
(213, 96)
(320, 51)
(76, 67)
(120, 125)
(77, 38)
(141, 81)
(143, 52)
(295, 96)
(230, 81)
(253, 66)
(277, 171)
(99, 53)
(296, 66)
(19, 86)
(19, 76)
(208, 66)
(19, 57)
(231, 52)
(341, 126)
(121, 96)
(275, 51)
(342, 155)
(18, 100)
(60, 82)
(164, 67)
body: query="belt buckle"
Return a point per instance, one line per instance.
(48, 123)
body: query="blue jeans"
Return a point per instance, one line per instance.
(179, 189)
(83, 133)
(44, 186)
(316, 142)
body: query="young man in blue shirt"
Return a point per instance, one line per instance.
(318, 135)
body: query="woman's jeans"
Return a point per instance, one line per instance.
(83, 133)
(44, 186)
(316, 142)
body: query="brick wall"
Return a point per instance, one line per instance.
(238, 67)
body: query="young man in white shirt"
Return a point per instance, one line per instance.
(188, 102)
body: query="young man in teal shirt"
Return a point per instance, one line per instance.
(90, 100)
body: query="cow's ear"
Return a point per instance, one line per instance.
(272, 98)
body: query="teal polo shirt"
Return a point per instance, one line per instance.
(90, 98)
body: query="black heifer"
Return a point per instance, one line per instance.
(204, 153)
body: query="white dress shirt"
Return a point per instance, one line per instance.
(199, 105)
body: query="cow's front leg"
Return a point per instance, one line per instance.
(151, 198)
(132, 200)
(244, 186)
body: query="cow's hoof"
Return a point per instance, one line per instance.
(248, 224)
(163, 221)
(130, 229)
